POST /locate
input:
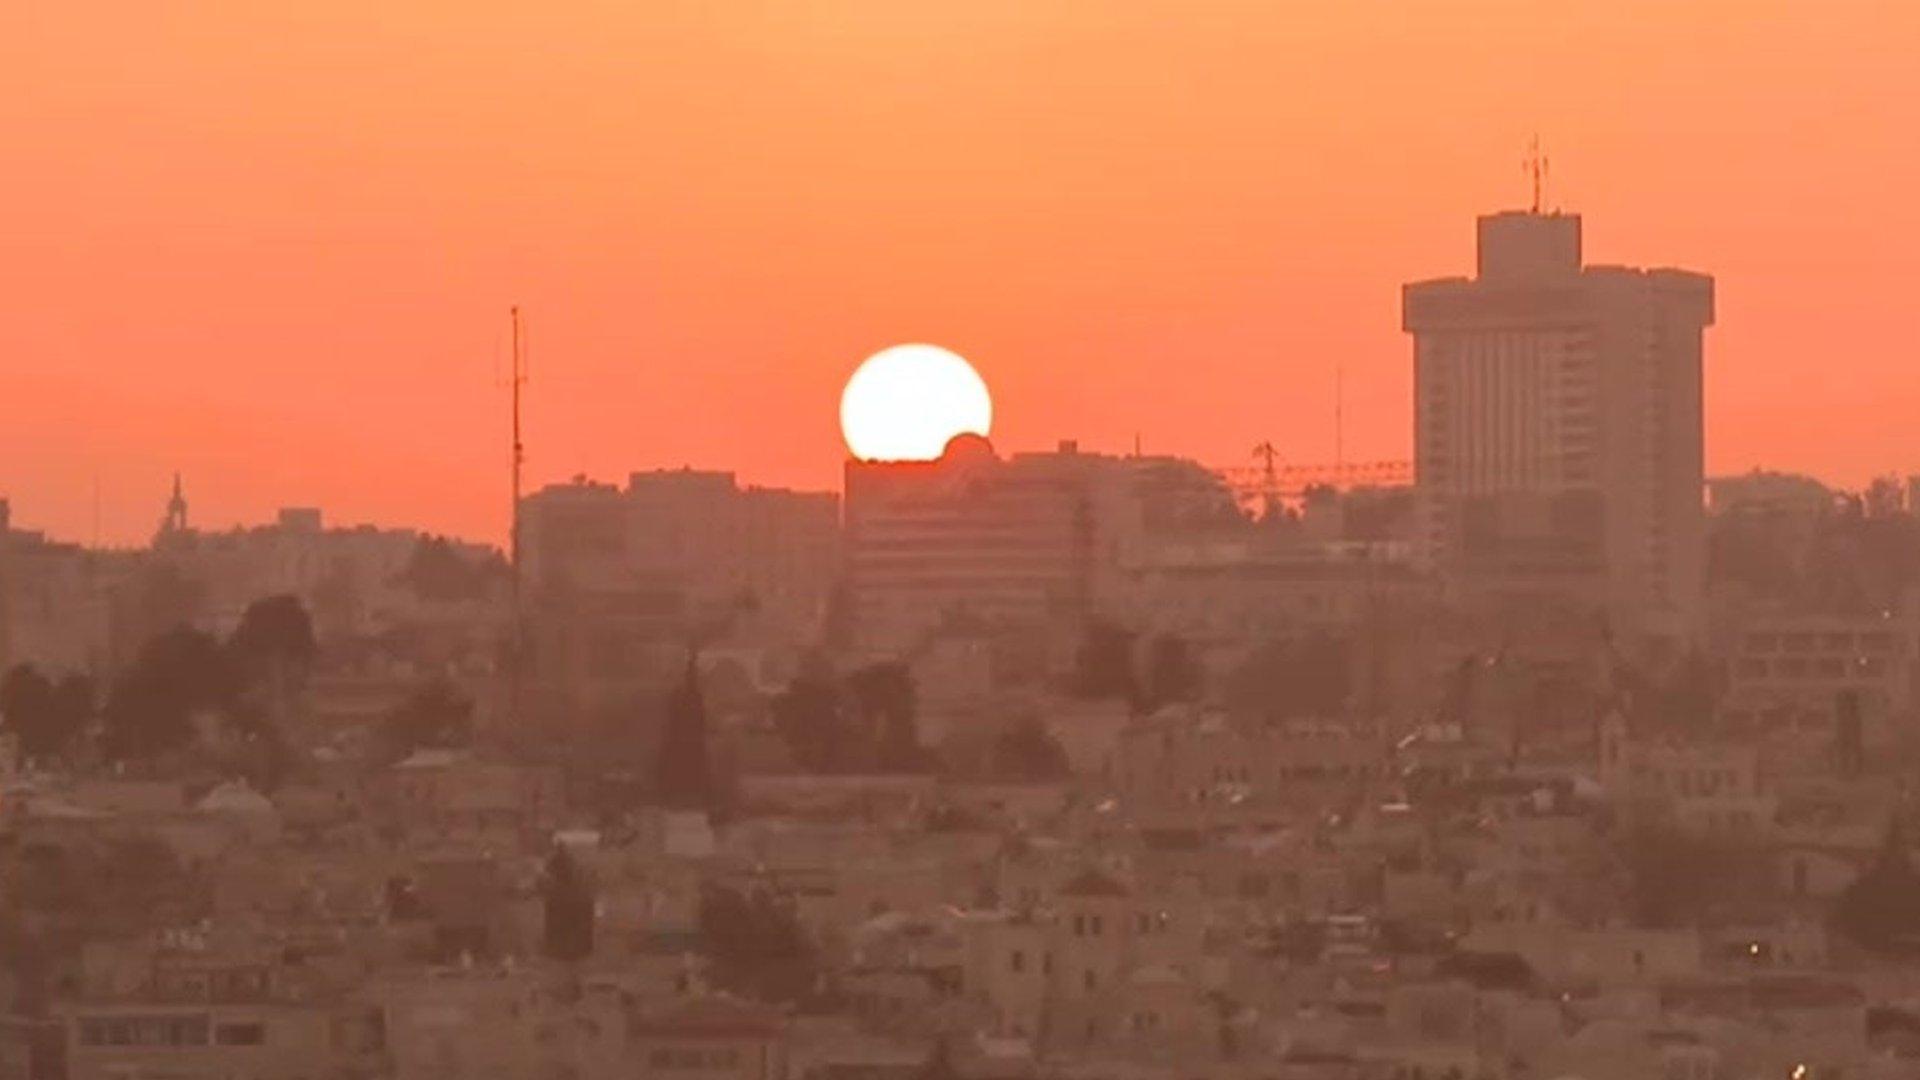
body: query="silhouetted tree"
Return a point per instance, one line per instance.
(151, 707)
(755, 944)
(1103, 665)
(809, 718)
(1027, 751)
(436, 715)
(273, 627)
(1172, 672)
(683, 772)
(271, 652)
(45, 717)
(1881, 910)
(1487, 970)
(436, 571)
(74, 705)
(884, 701)
(106, 886)
(275, 635)
(568, 907)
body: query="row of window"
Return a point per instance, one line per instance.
(1805, 641)
(671, 1057)
(1702, 782)
(1798, 667)
(168, 1031)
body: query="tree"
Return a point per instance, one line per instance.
(1881, 910)
(809, 718)
(271, 652)
(275, 635)
(1173, 674)
(47, 717)
(683, 772)
(73, 709)
(1027, 751)
(755, 944)
(884, 702)
(1487, 970)
(39, 714)
(105, 886)
(436, 571)
(436, 715)
(569, 908)
(151, 707)
(1103, 665)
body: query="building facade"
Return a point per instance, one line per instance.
(1011, 542)
(618, 580)
(1557, 429)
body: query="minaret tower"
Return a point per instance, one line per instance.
(175, 523)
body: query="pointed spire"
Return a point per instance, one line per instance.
(175, 521)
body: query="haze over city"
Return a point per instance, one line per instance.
(937, 540)
(273, 248)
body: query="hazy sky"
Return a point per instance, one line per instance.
(273, 244)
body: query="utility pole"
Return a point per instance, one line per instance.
(1268, 454)
(516, 634)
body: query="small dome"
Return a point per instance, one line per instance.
(967, 446)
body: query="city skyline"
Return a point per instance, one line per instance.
(959, 540)
(269, 247)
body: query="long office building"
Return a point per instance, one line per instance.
(619, 580)
(1557, 428)
(1022, 541)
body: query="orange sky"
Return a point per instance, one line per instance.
(273, 244)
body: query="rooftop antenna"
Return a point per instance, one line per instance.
(516, 379)
(1536, 169)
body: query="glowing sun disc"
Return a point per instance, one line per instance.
(904, 404)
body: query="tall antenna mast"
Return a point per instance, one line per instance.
(1536, 168)
(516, 380)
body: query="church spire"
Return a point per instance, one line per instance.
(175, 522)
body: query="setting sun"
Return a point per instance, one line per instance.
(906, 402)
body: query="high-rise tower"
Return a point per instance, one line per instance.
(1557, 426)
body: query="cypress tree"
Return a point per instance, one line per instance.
(684, 777)
(569, 906)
